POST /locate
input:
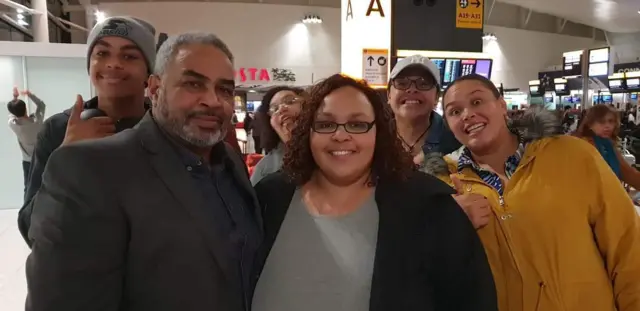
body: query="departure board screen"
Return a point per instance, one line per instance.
(451, 71)
(483, 68)
(440, 64)
(468, 67)
(616, 85)
(633, 83)
(572, 64)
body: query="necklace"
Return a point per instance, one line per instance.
(412, 146)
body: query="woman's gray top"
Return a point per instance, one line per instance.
(320, 263)
(271, 163)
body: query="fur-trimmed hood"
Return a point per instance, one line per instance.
(535, 124)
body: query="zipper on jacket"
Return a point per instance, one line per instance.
(541, 287)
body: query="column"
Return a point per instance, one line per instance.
(366, 39)
(40, 21)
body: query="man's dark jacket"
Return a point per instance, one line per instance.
(50, 138)
(117, 225)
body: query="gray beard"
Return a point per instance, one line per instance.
(179, 128)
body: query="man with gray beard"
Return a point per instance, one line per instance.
(160, 217)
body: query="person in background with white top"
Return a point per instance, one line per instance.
(25, 126)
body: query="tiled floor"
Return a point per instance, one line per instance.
(13, 253)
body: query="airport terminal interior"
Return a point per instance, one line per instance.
(568, 68)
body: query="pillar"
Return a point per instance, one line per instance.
(366, 38)
(40, 21)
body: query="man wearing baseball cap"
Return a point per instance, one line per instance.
(413, 92)
(120, 57)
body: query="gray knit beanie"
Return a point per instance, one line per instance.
(140, 32)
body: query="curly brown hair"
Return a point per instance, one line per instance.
(390, 160)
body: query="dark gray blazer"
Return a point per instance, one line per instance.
(116, 226)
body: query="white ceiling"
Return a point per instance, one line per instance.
(609, 15)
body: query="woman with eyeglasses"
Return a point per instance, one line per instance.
(351, 226)
(559, 229)
(274, 120)
(413, 93)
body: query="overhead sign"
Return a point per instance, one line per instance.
(375, 66)
(626, 67)
(469, 14)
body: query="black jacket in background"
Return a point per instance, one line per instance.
(428, 255)
(49, 139)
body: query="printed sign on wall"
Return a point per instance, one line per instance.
(375, 66)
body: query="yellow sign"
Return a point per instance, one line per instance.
(469, 14)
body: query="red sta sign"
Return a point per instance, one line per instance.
(252, 74)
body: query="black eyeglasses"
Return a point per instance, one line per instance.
(327, 127)
(286, 101)
(421, 84)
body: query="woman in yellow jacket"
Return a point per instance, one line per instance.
(560, 232)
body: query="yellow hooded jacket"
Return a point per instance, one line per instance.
(565, 235)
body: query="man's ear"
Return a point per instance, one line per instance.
(154, 84)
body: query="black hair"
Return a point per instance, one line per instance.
(17, 107)
(475, 77)
(269, 139)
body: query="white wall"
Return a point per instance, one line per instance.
(520, 54)
(55, 73)
(259, 35)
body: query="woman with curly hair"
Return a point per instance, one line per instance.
(350, 225)
(274, 120)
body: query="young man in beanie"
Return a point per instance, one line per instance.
(120, 58)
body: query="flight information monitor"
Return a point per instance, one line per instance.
(468, 67)
(572, 63)
(483, 68)
(633, 84)
(616, 85)
(451, 71)
(440, 64)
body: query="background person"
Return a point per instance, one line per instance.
(26, 127)
(414, 89)
(119, 64)
(601, 128)
(279, 108)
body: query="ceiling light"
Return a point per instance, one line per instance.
(312, 19)
(489, 37)
(100, 16)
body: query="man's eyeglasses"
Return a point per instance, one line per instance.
(421, 84)
(286, 101)
(327, 127)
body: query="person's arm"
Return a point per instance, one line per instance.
(46, 143)
(79, 236)
(629, 174)
(616, 228)
(40, 107)
(463, 275)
